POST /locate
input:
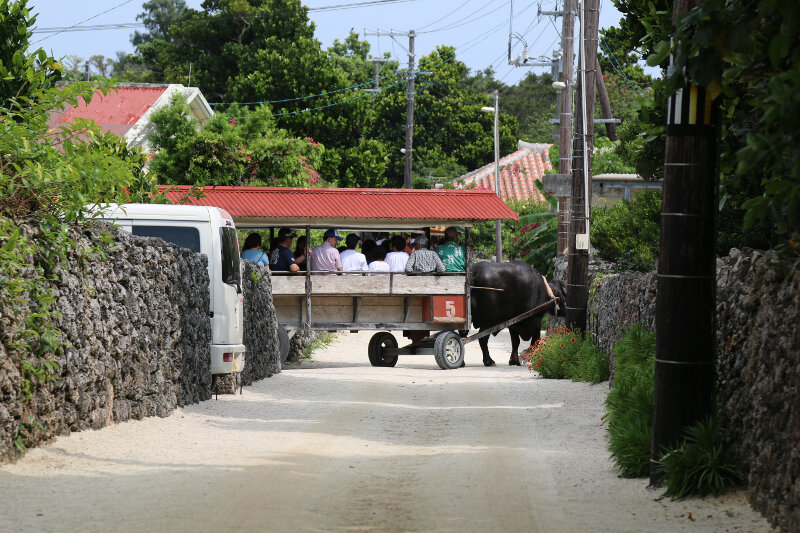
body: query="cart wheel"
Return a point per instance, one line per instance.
(283, 343)
(448, 349)
(377, 344)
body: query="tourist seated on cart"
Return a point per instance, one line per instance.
(352, 259)
(423, 260)
(282, 259)
(397, 258)
(450, 252)
(253, 252)
(301, 252)
(325, 257)
(378, 266)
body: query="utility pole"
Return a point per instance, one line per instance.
(686, 282)
(605, 105)
(411, 75)
(565, 120)
(409, 111)
(498, 238)
(578, 261)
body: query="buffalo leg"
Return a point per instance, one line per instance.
(514, 360)
(484, 343)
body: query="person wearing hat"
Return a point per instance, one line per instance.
(451, 254)
(422, 259)
(352, 260)
(282, 258)
(325, 257)
(252, 250)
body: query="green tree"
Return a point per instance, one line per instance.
(157, 17)
(242, 150)
(22, 74)
(533, 103)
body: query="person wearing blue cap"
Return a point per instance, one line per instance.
(325, 257)
(352, 260)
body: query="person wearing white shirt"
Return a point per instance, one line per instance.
(397, 258)
(352, 260)
(379, 267)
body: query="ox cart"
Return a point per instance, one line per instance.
(432, 310)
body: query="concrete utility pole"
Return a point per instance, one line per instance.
(578, 262)
(686, 282)
(498, 238)
(409, 111)
(411, 75)
(565, 119)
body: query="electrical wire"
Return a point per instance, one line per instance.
(452, 54)
(458, 23)
(617, 65)
(444, 17)
(128, 25)
(85, 20)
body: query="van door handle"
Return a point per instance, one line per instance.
(211, 314)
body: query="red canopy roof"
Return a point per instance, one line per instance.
(351, 208)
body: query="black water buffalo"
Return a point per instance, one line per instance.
(504, 290)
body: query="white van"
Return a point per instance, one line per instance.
(205, 230)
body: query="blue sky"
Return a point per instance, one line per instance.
(478, 28)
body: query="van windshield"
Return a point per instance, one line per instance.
(184, 237)
(231, 273)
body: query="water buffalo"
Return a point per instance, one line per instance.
(505, 290)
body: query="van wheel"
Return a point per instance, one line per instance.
(448, 349)
(377, 345)
(283, 343)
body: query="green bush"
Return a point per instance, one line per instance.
(628, 232)
(629, 404)
(703, 463)
(563, 354)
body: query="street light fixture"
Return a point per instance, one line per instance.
(497, 234)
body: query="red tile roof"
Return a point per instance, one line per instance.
(295, 205)
(518, 174)
(115, 112)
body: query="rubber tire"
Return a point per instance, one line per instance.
(444, 340)
(283, 343)
(379, 341)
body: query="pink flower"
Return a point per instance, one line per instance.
(514, 239)
(313, 180)
(233, 121)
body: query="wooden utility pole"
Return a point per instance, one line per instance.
(565, 120)
(578, 261)
(685, 302)
(605, 105)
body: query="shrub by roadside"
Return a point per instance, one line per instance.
(563, 354)
(702, 463)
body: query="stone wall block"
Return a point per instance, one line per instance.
(757, 364)
(136, 336)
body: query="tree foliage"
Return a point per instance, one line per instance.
(22, 74)
(243, 150)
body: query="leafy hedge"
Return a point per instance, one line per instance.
(628, 232)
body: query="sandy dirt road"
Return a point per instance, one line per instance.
(335, 445)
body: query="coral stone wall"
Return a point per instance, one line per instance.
(260, 325)
(136, 333)
(757, 363)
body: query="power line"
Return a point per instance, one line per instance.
(458, 23)
(128, 25)
(478, 39)
(444, 17)
(86, 20)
